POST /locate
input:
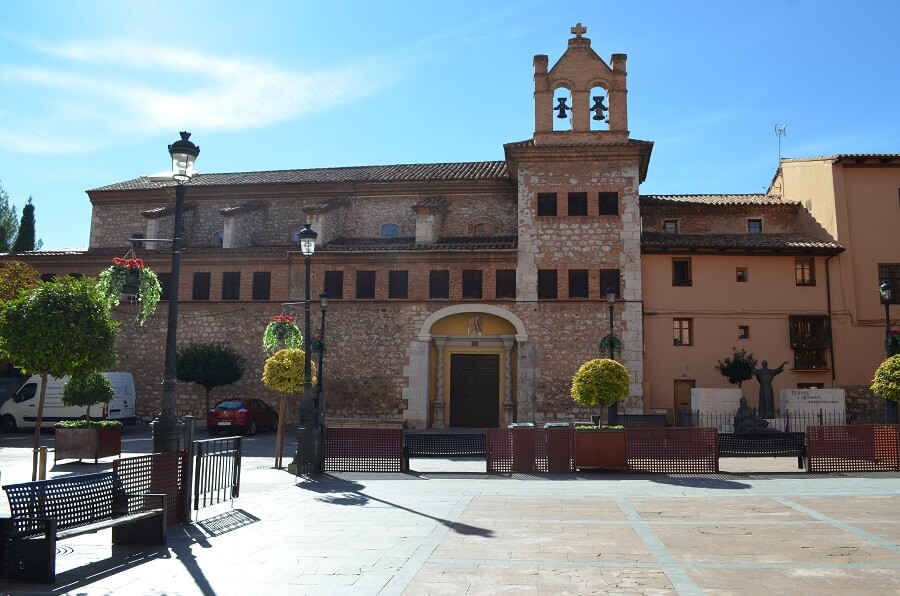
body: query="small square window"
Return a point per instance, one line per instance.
(547, 284)
(754, 226)
(398, 284)
(740, 274)
(804, 271)
(683, 332)
(262, 285)
(390, 230)
(471, 284)
(578, 283)
(578, 203)
(670, 226)
(608, 203)
(438, 284)
(334, 284)
(231, 285)
(743, 331)
(365, 285)
(681, 272)
(505, 284)
(546, 203)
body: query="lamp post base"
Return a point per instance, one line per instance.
(167, 432)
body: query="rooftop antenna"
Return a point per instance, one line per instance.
(780, 131)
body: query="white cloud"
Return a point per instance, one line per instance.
(121, 86)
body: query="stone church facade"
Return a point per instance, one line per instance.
(467, 294)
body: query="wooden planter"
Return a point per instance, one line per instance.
(600, 449)
(87, 443)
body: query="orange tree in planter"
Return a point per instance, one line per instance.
(283, 372)
(601, 381)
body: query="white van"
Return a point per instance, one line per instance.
(20, 411)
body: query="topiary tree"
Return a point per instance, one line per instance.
(601, 381)
(737, 368)
(86, 390)
(210, 365)
(283, 372)
(60, 328)
(887, 379)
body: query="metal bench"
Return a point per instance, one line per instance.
(49, 510)
(640, 420)
(771, 444)
(444, 444)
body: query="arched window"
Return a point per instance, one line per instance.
(219, 239)
(390, 230)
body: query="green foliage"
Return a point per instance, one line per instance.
(281, 331)
(600, 381)
(87, 389)
(892, 343)
(25, 237)
(609, 344)
(9, 221)
(887, 379)
(61, 328)
(85, 423)
(737, 368)
(283, 371)
(210, 365)
(112, 282)
(16, 276)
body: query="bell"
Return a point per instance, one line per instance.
(561, 107)
(598, 108)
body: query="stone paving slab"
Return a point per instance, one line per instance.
(753, 531)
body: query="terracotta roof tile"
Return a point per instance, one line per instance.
(748, 199)
(408, 243)
(479, 170)
(738, 242)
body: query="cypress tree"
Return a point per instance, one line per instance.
(25, 237)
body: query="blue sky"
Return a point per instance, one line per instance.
(91, 93)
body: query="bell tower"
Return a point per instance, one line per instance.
(579, 218)
(582, 88)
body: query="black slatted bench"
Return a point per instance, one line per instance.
(771, 444)
(640, 420)
(444, 444)
(49, 510)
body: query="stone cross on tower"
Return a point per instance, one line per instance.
(578, 30)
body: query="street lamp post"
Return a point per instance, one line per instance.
(307, 442)
(166, 426)
(320, 395)
(613, 412)
(886, 294)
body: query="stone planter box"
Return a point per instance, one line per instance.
(600, 449)
(87, 443)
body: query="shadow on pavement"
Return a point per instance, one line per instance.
(340, 491)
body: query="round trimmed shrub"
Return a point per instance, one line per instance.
(887, 379)
(600, 381)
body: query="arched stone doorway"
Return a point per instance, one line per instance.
(463, 368)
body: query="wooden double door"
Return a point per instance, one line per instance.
(474, 390)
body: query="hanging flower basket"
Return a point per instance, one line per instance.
(610, 344)
(131, 278)
(317, 345)
(282, 330)
(892, 343)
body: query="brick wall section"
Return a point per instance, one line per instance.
(775, 220)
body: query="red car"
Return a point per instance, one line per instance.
(241, 415)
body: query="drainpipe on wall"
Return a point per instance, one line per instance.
(828, 308)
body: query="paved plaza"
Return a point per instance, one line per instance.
(759, 527)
